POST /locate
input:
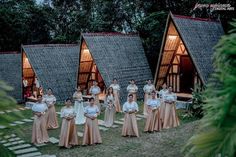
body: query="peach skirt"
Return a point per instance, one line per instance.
(109, 116)
(68, 136)
(39, 131)
(145, 107)
(52, 122)
(117, 101)
(170, 117)
(134, 96)
(91, 132)
(130, 127)
(153, 122)
(162, 111)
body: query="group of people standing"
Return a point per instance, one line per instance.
(159, 109)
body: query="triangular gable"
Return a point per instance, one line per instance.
(198, 37)
(119, 56)
(55, 67)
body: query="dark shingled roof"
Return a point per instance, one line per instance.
(119, 56)
(199, 36)
(10, 72)
(55, 67)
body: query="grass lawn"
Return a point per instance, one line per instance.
(167, 143)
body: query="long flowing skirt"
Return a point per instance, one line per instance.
(91, 132)
(52, 122)
(79, 109)
(153, 122)
(145, 107)
(130, 127)
(170, 117)
(162, 111)
(117, 101)
(39, 130)
(134, 96)
(68, 136)
(109, 116)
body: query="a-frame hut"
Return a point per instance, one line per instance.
(10, 72)
(54, 65)
(104, 56)
(185, 58)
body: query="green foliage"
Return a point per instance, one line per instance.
(151, 30)
(218, 136)
(62, 21)
(6, 102)
(195, 109)
(5, 152)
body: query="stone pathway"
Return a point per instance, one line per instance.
(15, 123)
(14, 110)
(20, 148)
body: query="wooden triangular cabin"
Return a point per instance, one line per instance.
(10, 72)
(54, 65)
(104, 56)
(185, 59)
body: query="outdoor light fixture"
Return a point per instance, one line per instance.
(172, 37)
(86, 50)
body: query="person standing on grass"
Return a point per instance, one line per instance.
(110, 108)
(132, 89)
(130, 108)
(153, 121)
(95, 91)
(162, 93)
(148, 88)
(91, 131)
(170, 117)
(50, 100)
(116, 91)
(68, 135)
(79, 107)
(39, 130)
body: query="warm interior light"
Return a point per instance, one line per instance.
(86, 50)
(172, 37)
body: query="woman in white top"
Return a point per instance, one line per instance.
(148, 88)
(170, 117)
(132, 89)
(95, 91)
(68, 135)
(91, 130)
(153, 122)
(79, 107)
(130, 127)
(50, 100)
(162, 93)
(39, 131)
(110, 108)
(116, 91)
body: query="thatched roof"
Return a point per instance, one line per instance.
(10, 72)
(119, 56)
(55, 66)
(199, 37)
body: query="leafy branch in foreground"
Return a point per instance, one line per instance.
(218, 126)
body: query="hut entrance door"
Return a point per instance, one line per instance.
(186, 74)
